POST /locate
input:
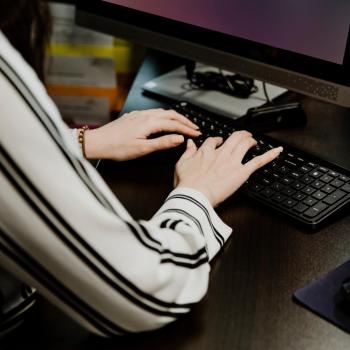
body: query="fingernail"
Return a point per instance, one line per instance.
(179, 139)
(279, 149)
(189, 142)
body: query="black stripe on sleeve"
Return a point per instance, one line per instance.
(187, 265)
(174, 224)
(194, 256)
(185, 213)
(192, 261)
(164, 223)
(217, 234)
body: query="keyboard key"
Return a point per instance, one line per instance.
(278, 186)
(333, 173)
(267, 192)
(295, 174)
(287, 180)
(337, 183)
(315, 210)
(334, 197)
(308, 190)
(298, 185)
(265, 181)
(310, 201)
(299, 196)
(326, 178)
(328, 189)
(300, 208)
(316, 174)
(307, 179)
(289, 203)
(344, 178)
(346, 188)
(273, 166)
(256, 187)
(304, 169)
(283, 169)
(276, 176)
(279, 197)
(323, 169)
(259, 149)
(290, 163)
(288, 191)
(311, 164)
(317, 184)
(266, 172)
(319, 195)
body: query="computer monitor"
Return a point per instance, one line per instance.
(302, 45)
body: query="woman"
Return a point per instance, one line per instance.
(64, 232)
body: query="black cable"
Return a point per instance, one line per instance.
(233, 84)
(227, 80)
(265, 93)
(190, 68)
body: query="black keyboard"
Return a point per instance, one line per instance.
(306, 188)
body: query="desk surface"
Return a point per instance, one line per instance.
(249, 303)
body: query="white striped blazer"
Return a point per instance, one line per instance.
(65, 233)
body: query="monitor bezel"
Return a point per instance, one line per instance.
(291, 61)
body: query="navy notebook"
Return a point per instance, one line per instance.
(324, 298)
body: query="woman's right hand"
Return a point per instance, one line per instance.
(216, 168)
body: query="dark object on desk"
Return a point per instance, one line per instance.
(345, 292)
(274, 117)
(231, 84)
(305, 188)
(16, 299)
(325, 296)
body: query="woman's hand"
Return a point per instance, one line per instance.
(216, 169)
(128, 137)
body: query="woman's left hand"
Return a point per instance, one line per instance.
(128, 136)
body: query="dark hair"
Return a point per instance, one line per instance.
(27, 25)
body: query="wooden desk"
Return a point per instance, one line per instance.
(249, 303)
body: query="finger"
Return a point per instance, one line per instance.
(175, 127)
(232, 142)
(191, 150)
(163, 142)
(173, 115)
(211, 143)
(260, 161)
(243, 147)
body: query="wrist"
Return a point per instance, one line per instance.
(91, 145)
(205, 192)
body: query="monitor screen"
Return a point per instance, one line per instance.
(316, 28)
(302, 45)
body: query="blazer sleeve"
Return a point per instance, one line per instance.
(64, 232)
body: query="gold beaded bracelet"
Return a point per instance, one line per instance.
(81, 138)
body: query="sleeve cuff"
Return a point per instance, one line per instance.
(190, 203)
